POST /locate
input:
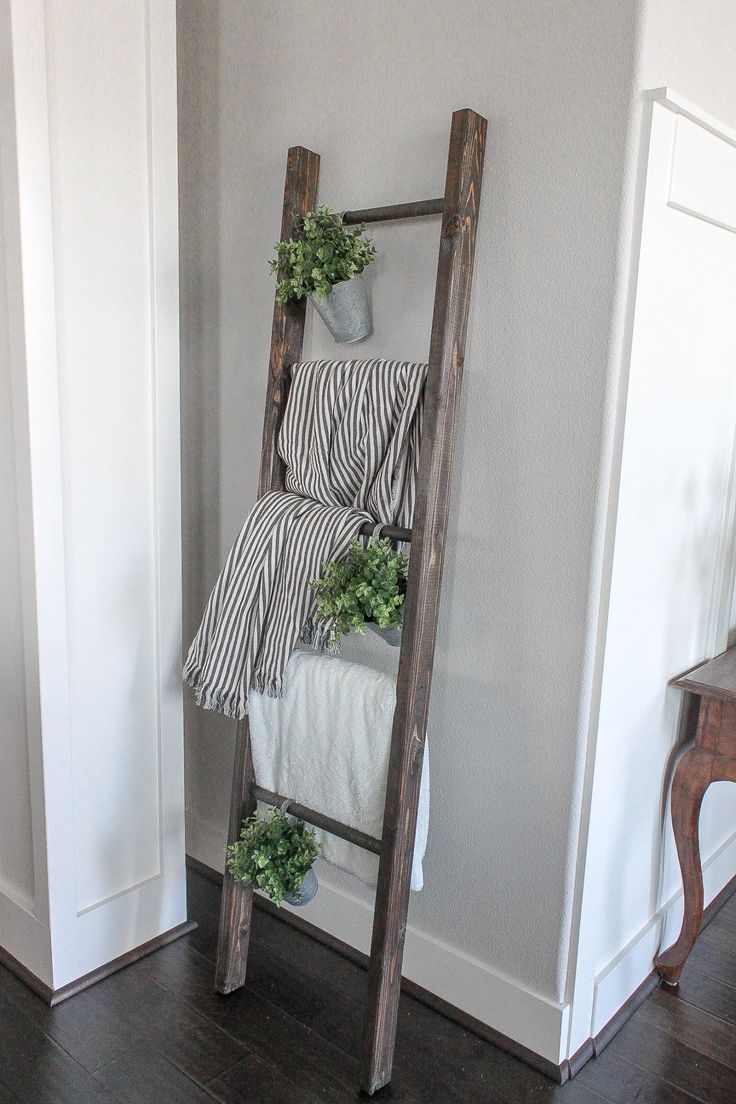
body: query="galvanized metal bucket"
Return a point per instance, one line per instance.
(347, 310)
(306, 891)
(392, 636)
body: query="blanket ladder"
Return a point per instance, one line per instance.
(459, 210)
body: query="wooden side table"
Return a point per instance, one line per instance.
(711, 759)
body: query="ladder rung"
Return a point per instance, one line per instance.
(319, 820)
(391, 531)
(420, 209)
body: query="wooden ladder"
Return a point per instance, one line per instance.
(459, 210)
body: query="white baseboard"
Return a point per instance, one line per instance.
(501, 1003)
(506, 1006)
(627, 970)
(26, 938)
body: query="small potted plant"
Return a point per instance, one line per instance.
(276, 854)
(366, 589)
(325, 262)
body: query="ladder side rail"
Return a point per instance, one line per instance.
(449, 327)
(236, 901)
(287, 332)
(287, 336)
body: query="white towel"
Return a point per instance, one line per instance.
(326, 744)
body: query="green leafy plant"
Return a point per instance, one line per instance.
(323, 253)
(370, 585)
(273, 854)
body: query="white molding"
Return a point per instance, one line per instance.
(622, 976)
(17, 896)
(697, 192)
(672, 100)
(731, 229)
(36, 350)
(629, 246)
(535, 1021)
(156, 381)
(26, 938)
(163, 186)
(719, 615)
(11, 261)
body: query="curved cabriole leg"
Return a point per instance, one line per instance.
(693, 776)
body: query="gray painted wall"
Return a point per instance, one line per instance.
(372, 89)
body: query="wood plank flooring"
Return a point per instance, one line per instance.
(157, 1033)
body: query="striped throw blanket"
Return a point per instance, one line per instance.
(350, 441)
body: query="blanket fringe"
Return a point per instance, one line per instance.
(316, 634)
(221, 701)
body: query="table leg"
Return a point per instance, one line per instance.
(692, 778)
(695, 772)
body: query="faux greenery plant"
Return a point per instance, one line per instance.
(323, 253)
(370, 585)
(273, 854)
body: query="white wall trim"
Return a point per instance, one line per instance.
(36, 348)
(615, 983)
(672, 100)
(535, 1021)
(163, 185)
(25, 937)
(631, 220)
(14, 350)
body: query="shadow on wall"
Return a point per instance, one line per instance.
(200, 159)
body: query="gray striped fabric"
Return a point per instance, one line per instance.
(350, 441)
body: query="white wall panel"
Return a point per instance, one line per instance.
(95, 122)
(100, 188)
(673, 559)
(703, 173)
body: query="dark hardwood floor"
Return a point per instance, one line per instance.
(156, 1033)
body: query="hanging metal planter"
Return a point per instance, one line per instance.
(391, 635)
(347, 310)
(307, 890)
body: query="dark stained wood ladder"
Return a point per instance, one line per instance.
(459, 210)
